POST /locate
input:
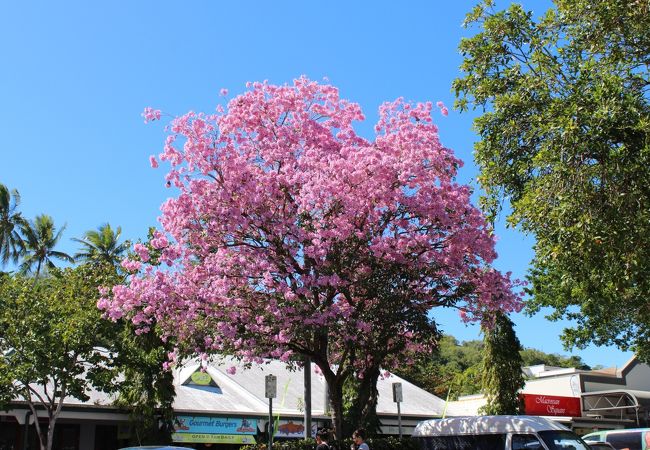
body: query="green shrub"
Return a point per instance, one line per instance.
(378, 443)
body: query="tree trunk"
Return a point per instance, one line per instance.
(50, 433)
(362, 413)
(335, 386)
(366, 401)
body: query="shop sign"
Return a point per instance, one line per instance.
(550, 405)
(208, 438)
(291, 429)
(215, 425)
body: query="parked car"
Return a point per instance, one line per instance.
(630, 439)
(598, 445)
(496, 433)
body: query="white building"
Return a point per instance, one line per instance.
(223, 404)
(584, 399)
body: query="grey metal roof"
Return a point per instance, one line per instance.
(242, 392)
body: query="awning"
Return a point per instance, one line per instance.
(617, 404)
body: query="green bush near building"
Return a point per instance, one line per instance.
(389, 443)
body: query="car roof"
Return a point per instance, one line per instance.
(618, 430)
(485, 425)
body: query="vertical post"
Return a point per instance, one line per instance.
(399, 420)
(270, 382)
(270, 427)
(307, 380)
(397, 398)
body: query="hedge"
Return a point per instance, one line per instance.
(377, 443)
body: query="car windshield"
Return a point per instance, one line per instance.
(562, 440)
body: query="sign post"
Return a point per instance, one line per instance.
(271, 383)
(397, 398)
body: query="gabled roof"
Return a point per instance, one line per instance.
(242, 391)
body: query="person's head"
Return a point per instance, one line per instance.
(322, 436)
(359, 436)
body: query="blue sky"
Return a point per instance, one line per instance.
(75, 77)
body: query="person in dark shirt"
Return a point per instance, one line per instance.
(322, 436)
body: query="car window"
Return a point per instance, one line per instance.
(595, 446)
(626, 440)
(466, 442)
(562, 440)
(525, 442)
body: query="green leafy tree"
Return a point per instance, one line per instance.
(144, 388)
(531, 357)
(451, 371)
(565, 138)
(40, 239)
(53, 343)
(11, 243)
(502, 377)
(102, 246)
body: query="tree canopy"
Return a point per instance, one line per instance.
(565, 139)
(293, 235)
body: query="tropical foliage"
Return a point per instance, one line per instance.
(11, 220)
(40, 238)
(102, 246)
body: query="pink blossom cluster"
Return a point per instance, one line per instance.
(288, 223)
(150, 114)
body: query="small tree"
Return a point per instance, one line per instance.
(293, 235)
(52, 341)
(502, 368)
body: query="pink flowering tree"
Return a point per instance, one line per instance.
(292, 235)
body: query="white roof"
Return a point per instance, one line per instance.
(242, 392)
(485, 425)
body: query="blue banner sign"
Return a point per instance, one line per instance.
(215, 425)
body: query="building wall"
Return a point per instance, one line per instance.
(559, 386)
(638, 378)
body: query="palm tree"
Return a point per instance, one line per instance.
(40, 238)
(101, 246)
(11, 243)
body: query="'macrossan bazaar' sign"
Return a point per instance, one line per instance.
(550, 405)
